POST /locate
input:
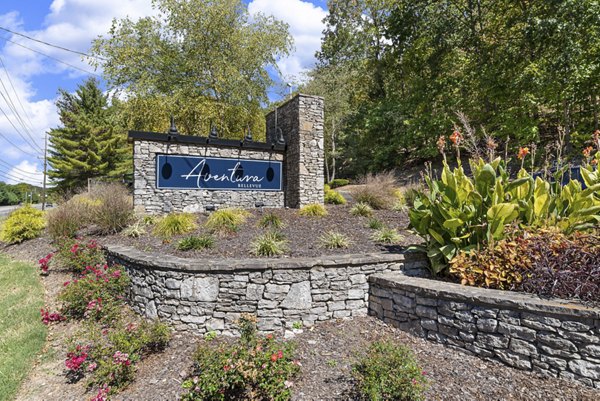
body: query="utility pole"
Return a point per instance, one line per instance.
(45, 164)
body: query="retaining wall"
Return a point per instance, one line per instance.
(555, 337)
(210, 295)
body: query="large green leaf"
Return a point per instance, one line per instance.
(453, 224)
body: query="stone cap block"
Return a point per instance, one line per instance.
(483, 296)
(167, 262)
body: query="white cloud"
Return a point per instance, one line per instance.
(306, 26)
(26, 171)
(72, 24)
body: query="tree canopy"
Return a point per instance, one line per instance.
(200, 60)
(519, 69)
(91, 143)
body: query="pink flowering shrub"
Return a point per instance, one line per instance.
(78, 362)
(255, 368)
(44, 263)
(107, 356)
(76, 254)
(48, 317)
(96, 295)
(389, 372)
(102, 394)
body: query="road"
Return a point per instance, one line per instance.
(5, 210)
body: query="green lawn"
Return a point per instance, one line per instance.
(22, 333)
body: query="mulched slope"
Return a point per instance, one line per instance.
(302, 232)
(326, 352)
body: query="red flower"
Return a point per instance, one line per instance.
(274, 357)
(587, 151)
(522, 153)
(279, 354)
(227, 368)
(456, 137)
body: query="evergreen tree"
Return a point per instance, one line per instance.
(90, 144)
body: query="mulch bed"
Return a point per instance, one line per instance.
(326, 352)
(302, 233)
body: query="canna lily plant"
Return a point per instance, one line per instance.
(459, 212)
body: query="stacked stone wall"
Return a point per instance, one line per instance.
(209, 295)
(301, 121)
(554, 337)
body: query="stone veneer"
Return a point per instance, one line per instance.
(149, 199)
(301, 121)
(209, 295)
(554, 337)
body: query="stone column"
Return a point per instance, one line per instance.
(301, 121)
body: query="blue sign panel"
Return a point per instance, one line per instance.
(215, 173)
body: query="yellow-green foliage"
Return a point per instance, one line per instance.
(334, 198)
(23, 224)
(361, 209)
(313, 210)
(175, 224)
(226, 220)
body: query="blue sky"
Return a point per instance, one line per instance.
(29, 81)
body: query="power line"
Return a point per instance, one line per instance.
(16, 93)
(52, 45)
(17, 146)
(13, 125)
(31, 141)
(50, 57)
(16, 168)
(12, 176)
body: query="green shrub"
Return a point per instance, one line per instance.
(196, 243)
(326, 188)
(389, 372)
(334, 198)
(114, 211)
(175, 224)
(387, 236)
(254, 369)
(226, 220)
(375, 224)
(461, 213)
(97, 295)
(338, 182)
(22, 224)
(361, 209)
(332, 240)
(270, 220)
(269, 244)
(76, 255)
(313, 210)
(377, 191)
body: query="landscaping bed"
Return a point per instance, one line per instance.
(326, 353)
(302, 233)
